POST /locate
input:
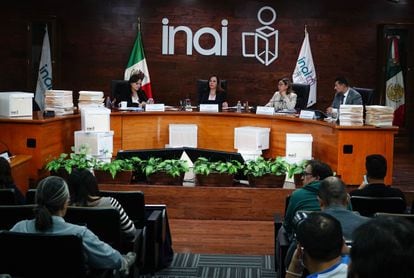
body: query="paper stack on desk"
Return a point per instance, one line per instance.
(378, 115)
(351, 115)
(59, 101)
(90, 98)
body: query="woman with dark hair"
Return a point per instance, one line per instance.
(84, 192)
(6, 180)
(52, 199)
(214, 93)
(133, 95)
(284, 97)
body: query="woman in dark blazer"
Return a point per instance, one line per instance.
(134, 95)
(214, 93)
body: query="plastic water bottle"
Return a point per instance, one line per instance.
(239, 107)
(108, 103)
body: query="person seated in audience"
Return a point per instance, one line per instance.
(6, 180)
(284, 97)
(52, 199)
(344, 95)
(84, 192)
(134, 96)
(214, 93)
(334, 200)
(319, 248)
(382, 248)
(373, 186)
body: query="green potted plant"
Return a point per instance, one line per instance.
(216, 173)
(295, 170)
(168, 171)
(115, 171)
(65, 163)
(266, 172)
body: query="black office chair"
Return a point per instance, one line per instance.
(40, 255)
(7, 196)
(202, 87)
(368, 206)
(409, 217)
(11, 214)
(302, 92)
(367, 95)
(30, 196)
(118, 86)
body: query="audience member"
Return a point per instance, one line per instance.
(382, 248)
(84, 192)
(284, 97)
(334, 200)
(134, 95)
(52, 199)
(6, 180)
(214, 93)
(319, 248)
(376, 170)
(344, 95)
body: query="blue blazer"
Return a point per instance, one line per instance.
(353, 98)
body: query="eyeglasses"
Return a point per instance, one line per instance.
(306, 174)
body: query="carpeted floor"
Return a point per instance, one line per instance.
(219, 266)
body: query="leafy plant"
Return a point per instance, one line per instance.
(295, 168)
(204, 167)
(173, 167)
(79, 160)
(262, 166)
(115, 166)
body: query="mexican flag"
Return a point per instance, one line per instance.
(137, 63)
(394, 88)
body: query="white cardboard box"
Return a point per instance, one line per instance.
(16, 104)
(298, 147)
(97, 143)
(251, 138)
(95, 119)
(183, 135)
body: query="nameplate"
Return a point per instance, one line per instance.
(307, 114)
(159, 107)
(265, 110)
(209, 108)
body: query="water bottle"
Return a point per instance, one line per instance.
(239, 107)
(108, 103)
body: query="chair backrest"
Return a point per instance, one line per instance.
(368, 206)
(133, 203)
(30, 196)
(409, 217)
(202, 86)
(367, 95)
(302, 92)
(117, 86)
(41, 255)
(102, 221)
(7, 196)
(11, 214)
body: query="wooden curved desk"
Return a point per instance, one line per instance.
(344, 148)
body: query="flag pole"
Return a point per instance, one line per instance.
(306, 28)
(139, 24)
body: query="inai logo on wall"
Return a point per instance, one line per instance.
(265, 39)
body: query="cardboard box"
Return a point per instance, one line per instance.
(298, 147)
(16, 104)
(182, 135)
(251, 138)
(95, 119)
(98, 143)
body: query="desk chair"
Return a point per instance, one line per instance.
(41, 255)
(368, 206)
(367, 95)
(30, 196)
(7, 196)
(202, 87)
(118, 86)
(302, 92)
(11, 214)
(409, 217)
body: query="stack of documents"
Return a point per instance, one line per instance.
(351, 115)
(59, 101)
(90, 98)
(378, 115)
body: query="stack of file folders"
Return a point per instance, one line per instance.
(351, 115)
(90, 99)
(378, 115)
(59, 101)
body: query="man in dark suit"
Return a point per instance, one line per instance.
(373, 186)
(344, 95)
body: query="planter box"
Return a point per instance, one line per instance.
(165, 179)
(267, 181)
(297, 178)
(215, 179)
(123, 177)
